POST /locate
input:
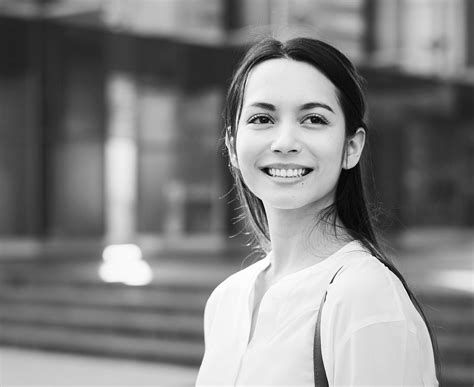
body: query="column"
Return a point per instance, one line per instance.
(120, 159)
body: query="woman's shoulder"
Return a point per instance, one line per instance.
(367, 286)
(363, 273)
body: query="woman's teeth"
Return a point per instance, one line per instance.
(287, 172)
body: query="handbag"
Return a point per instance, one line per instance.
(320, 378)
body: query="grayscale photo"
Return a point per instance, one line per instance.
(250, 193)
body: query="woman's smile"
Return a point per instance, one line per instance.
(286, 174)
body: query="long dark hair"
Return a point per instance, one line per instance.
(350, 204)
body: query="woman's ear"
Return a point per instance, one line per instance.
(354, 148)
(229, 140)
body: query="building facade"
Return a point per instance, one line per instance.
(110, 111)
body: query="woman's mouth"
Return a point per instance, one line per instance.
(287, 173)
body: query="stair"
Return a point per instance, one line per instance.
(452, 317)
(63, 305)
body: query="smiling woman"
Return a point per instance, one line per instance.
(295, 133)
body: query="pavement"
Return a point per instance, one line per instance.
(20, 367)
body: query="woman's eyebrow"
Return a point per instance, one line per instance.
(306, 106)
(264, 105)
(312, 105)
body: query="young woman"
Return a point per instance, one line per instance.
(295, 133)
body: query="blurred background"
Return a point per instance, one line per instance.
(116, 220)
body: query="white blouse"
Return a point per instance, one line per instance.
(371, 334)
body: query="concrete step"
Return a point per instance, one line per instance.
(440, 298)
(187, 285)
(102, 343)
(461, 375)
(452, 318)
(456, 348)
(193, 274)
(141, 298)
(117, 320)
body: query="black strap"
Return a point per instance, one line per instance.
(320, 378)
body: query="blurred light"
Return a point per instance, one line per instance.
(457, 279)
(124, 264)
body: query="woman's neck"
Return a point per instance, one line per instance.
(298, 240)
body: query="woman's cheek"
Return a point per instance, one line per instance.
(245, 148)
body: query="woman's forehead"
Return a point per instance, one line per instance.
(285, 80)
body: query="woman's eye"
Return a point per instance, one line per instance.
(260, 119)
(315, 120)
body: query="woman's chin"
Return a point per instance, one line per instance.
(287, 202)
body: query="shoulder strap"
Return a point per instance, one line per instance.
(320, 378)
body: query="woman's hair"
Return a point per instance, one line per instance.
(350, 204)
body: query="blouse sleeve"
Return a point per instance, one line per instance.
(373, 334)
(380, 354)
(209, 312)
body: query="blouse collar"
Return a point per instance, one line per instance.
(321, 265)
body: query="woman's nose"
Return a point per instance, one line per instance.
(286, 141)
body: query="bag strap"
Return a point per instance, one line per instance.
(320, 378)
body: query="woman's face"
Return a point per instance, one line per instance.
(290, 136)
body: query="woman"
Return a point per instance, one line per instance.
(295, 133)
